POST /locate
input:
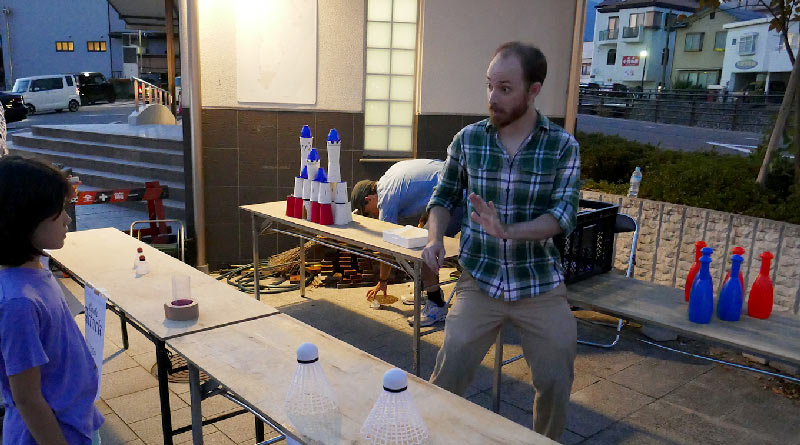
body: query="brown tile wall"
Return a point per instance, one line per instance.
(252, 156)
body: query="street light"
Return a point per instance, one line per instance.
(643, 55)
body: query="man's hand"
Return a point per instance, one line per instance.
(373, 293)
(433, 255)
(486, 215)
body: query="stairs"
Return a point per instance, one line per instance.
(113, 156)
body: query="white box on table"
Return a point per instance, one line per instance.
(409, 236)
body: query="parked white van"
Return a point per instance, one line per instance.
(48, 93)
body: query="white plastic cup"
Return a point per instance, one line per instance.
(181, 288)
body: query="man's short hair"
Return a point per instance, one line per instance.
(30, 192)
(361, 190)
(531, 58)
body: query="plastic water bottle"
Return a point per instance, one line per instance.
(636, 181)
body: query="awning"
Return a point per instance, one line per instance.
(143, 14)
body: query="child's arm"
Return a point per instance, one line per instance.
(38, 416)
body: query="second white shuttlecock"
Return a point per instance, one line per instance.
(394, 419)
(310, 392)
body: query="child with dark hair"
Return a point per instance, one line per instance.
(48, 377)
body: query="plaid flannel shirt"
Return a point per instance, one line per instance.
(543, 177)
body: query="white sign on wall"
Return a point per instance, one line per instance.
(95, 327)
(276, 51)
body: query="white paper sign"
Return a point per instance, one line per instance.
(95, 302)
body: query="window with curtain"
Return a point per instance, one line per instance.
(96, 46)
(719, 40)
(747, 44)
(693, 42)
(65, 46)
(390, 76)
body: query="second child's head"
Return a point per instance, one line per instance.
(32, 217)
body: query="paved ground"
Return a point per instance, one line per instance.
(632, 394)
(678, 137)
(91, 114)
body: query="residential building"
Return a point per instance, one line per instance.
(632, 41)
(700, 44)
(756, 58)
(586, 62)
(54, 36)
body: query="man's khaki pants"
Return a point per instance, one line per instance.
(548, 331)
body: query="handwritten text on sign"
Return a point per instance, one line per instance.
(95, 327)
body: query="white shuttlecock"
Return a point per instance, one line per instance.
(394, 419)
(310, 392)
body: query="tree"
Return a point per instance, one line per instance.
(783, 13)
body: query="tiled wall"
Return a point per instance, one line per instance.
(252, 156)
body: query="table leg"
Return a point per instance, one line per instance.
(417, 297)
(259, 430)
(197, 407)
(163, 364)
(302, 268)
(498, 371)
(256, 232)
(123, 319)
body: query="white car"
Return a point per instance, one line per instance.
(49, 93)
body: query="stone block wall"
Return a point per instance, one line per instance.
(667, 233)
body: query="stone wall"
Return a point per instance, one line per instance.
(667, 233)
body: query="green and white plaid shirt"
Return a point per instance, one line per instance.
(543, 177)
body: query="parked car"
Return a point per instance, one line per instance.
(13, 107)
(94, 88)
(48, 93)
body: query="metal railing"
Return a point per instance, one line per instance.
(145, 93)
(609, 34)
(738, 111)
(631, 32)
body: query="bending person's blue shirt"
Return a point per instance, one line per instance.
(405, 189)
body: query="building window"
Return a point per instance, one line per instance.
(694, 42)
(96, 46)
(390, 80)
(62, 46)
(719, 40)
(699, 78)
(713, 15)
(747, 44)
(586, 69)
(652, 19)
(611, 57)
(635, 20)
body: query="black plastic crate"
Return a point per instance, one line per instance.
(589, 249)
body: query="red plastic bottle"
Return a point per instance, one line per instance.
(759, 305)
(738, 250)
(698, 246)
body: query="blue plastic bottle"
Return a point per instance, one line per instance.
(729, 306)
(701, 299)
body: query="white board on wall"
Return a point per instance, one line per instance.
(276, 51)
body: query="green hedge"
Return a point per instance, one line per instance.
(699, 179)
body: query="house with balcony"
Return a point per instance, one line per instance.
(633, 39)
(755, 56)
(700, 45)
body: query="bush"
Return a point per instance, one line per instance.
(699, 179)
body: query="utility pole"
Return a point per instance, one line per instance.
(7, 12)
(665, 51)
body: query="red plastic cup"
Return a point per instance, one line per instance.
(298, 207)
(315, 212)
(290, 206)
(326, 214)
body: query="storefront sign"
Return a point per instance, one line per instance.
(630, 61)
(746, 64)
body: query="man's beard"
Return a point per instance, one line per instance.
(501, 118)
